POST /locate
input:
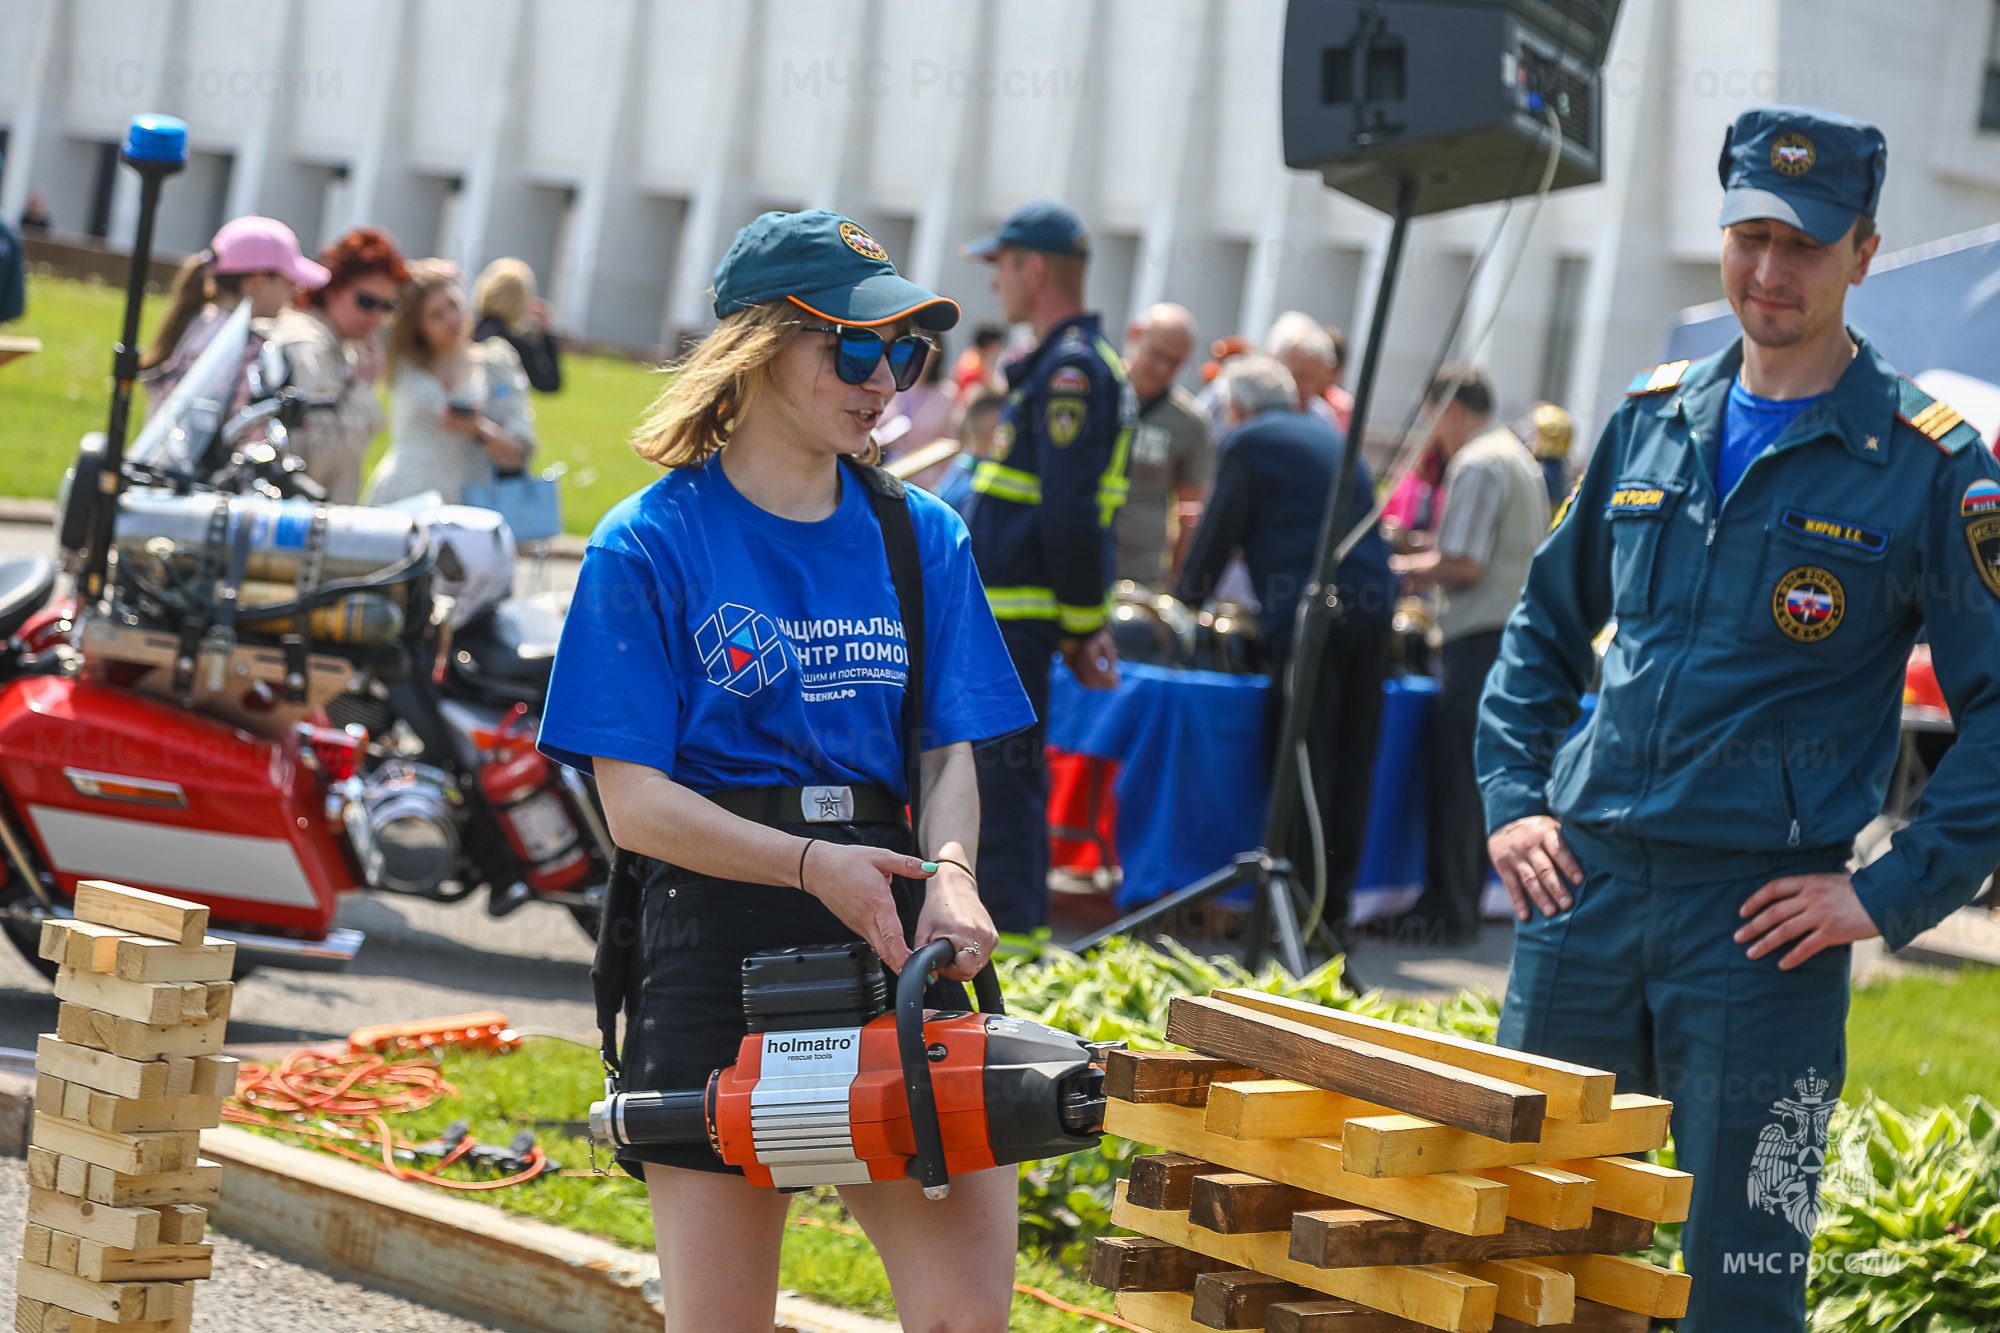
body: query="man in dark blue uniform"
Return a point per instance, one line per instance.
(1041, 532)
(1769, 528)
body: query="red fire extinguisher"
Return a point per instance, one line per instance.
(522, 791)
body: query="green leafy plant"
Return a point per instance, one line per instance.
(1909, 1232)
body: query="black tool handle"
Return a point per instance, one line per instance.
(986, 990)
(929, 1170)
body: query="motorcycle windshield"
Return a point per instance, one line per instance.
(178, 433)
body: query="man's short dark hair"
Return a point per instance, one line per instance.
(1475, 391)
(1864, 227)
(988, 335)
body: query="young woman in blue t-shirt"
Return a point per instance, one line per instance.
(734, 638)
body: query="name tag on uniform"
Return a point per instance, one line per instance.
(1838, 531)
(1639, 499)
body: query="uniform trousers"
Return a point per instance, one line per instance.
(1647, 982)
(1014, 793)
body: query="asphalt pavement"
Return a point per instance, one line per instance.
(253, 1291)
(422, 960)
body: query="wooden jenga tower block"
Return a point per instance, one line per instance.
(123, 1086)
(1331, 1173)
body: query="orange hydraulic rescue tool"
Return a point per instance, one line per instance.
(828, 1089)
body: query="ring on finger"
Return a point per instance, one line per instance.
(972, 949)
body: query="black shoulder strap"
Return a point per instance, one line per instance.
(617, 944)
(906, 572)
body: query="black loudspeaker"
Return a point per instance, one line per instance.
(1449, 93)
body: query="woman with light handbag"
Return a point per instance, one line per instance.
(459, 418)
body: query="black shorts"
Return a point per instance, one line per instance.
(684, 1017)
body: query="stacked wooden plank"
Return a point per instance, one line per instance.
(1330, 1173)
(123, 1086)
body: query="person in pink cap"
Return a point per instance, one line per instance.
(251, 259)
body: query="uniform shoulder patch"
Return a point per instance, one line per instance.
(1065, 418)
(1933, 419)
(1659, 379)
(1069, 379)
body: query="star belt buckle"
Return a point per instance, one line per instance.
(827, 805)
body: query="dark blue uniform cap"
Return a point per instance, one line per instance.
(1045, 225)
(828, 264)
(1814, 169)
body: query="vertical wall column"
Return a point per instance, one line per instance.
(1633, 219)
(719, 196)
(604, 187)
(378, 165)
(1169, 244)
(166, 34)
(1076, 162)
(842, 184)
(38, 129)
(493, 181)
(952, 210)
(263, 150)
(1287, 231)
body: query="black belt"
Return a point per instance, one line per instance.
(812, 805)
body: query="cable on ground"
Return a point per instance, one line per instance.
(352, 1093)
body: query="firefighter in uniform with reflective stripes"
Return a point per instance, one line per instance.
(1041, 531)
(1769, 528)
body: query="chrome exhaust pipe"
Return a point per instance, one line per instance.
(331, 954)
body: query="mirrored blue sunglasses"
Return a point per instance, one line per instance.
(859, 350)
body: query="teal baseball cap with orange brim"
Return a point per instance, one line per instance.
(827, 264)
(1817, 170)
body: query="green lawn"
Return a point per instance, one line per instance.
(1917, 1041)
(1927, 1039)
(48, 401)
(549, 1082)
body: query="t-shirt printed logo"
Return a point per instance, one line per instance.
(740, 649)
(839, 653)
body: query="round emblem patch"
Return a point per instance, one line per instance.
(1808, 603)
(861, 243)
(1793, 155)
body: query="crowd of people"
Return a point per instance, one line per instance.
(458, 369)
(1218, 492)
(1225, 492)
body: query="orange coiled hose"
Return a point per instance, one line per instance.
(355, 1091)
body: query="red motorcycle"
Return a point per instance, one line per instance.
(260, 703)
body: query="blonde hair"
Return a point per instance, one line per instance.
(505, 290)
(407, 344)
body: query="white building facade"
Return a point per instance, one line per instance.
(617, 145)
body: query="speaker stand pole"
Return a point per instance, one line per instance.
(1265, 870)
